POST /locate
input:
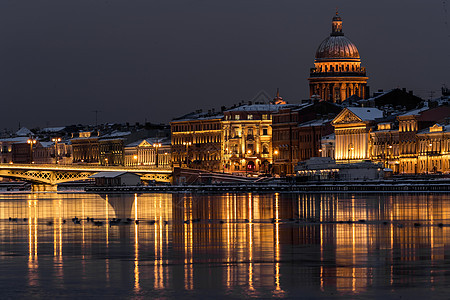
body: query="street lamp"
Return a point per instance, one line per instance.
(430, 145)
(156, 146)
(135, 157)
(31, 141)
(56, 140)
(187, 144)
(350, 148)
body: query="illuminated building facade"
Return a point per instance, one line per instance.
(352, 133)
(433, 145)
(412, 145)
(85, 147)
(15, 150)
(415, 142)
(297, 131)
(247, 133)
(144, 153)
(384, 145)
(49, 153)
(337, 72)
(197, 140)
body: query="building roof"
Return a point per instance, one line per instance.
(199, 115)
(53, 129)
(329, 137)
(366, 113)
(314, 123)
(23, 132)
(19, 139)
(151, 141)
(445, 128)
(110, 174)
(260, 107)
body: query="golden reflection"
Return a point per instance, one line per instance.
(107, 219)
(250, 243)
(33, 275)
(136, 246)
(228, 243)
(343, 229)
(188, 242)
(278, 289)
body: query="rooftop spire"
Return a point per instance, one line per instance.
(336, 27)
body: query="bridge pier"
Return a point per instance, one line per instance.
(40, 187)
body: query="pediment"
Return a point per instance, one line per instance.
(144, 143)
(346, 117)
(436, 128)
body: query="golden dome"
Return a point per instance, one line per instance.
(337, 47)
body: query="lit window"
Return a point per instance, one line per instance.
(237, 117)
(250, 117)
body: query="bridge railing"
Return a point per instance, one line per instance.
(85, 167)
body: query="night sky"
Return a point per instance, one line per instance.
(153, 60)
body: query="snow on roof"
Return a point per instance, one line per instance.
(199, 116)
(445, 128)
(109, 174)
(314, 123)
(329, 137)
(47, 144)
(415, 112)
(53, 129)
(116, 134)
(23, 132)
(19, 139)
(366, 113)
(260, 107)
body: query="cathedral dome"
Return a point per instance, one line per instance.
(337, 47)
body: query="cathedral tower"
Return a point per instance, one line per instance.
(337, 72)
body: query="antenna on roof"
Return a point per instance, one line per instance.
(431, 95)
(96, 115)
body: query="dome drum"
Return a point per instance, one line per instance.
(337, 74)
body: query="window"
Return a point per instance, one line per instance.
(237, 117)
(264, 131)
(264, 117)
(249, 117)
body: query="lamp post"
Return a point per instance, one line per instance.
(187, 144)
(350, 148)
(275, 153)
(56, 140)
(430, 145)
(135, 157)
(156, 146)
(31, 141)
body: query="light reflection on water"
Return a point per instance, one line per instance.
(241, 244)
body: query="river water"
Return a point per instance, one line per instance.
(231, 245)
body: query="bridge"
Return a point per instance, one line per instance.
(47, 177)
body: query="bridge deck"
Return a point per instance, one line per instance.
(85, 168)
(54, 174)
